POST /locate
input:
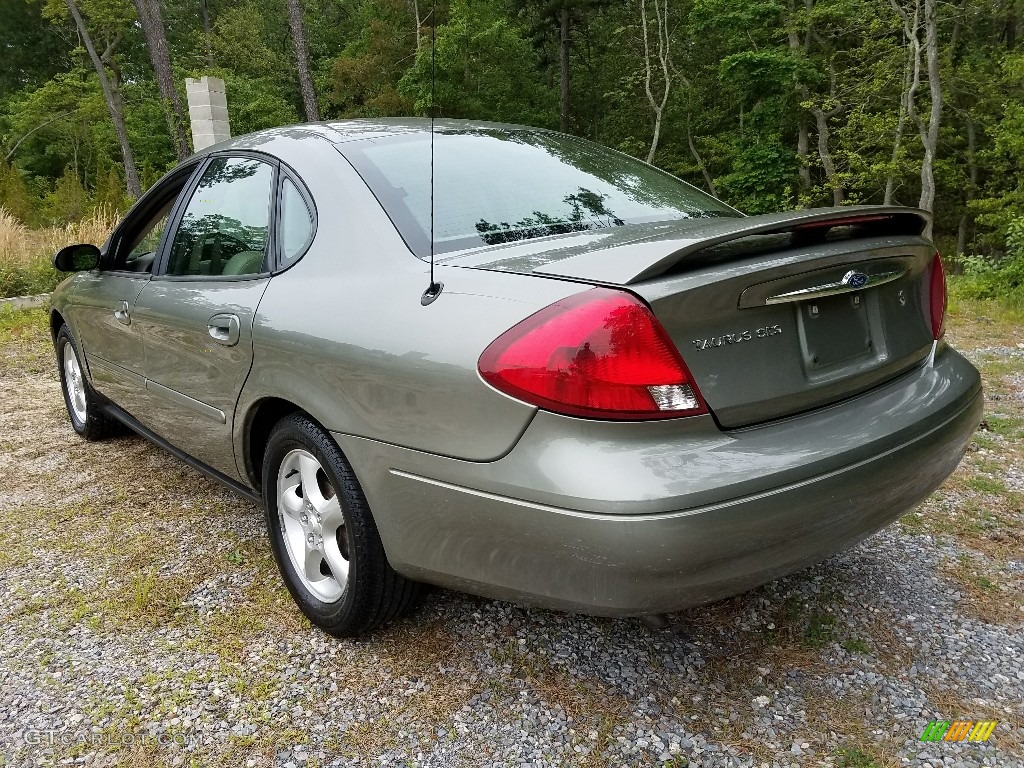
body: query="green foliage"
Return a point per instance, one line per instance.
(762, 175)
(109, 194)
(365, 76)
(486, 69)
(241, 36)
(68, 202)
(748, 81)
(986, 277)
(29, 279)
(256, 104)
(757, 74)
(15, 196)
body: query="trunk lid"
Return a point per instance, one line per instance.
(773, 314)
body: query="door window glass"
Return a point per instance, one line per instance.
(296, 223)
(141, 251)
(224, 229)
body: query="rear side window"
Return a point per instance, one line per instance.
(296, 223)
(225, 227)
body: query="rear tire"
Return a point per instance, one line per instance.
(87, 417)
(323, 535)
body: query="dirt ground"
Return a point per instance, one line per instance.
(138, 597)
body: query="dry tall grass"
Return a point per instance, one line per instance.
(26, 254)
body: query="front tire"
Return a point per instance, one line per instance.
(323, 535)
(87, 418)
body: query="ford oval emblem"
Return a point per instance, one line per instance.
(855, 279)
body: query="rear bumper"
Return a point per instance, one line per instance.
(625, 519)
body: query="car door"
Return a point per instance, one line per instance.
(196, 314)
(103, 304)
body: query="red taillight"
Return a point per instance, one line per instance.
(937, 297)
(601, 354)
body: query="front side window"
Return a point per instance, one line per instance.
(137, 240)
(140, 251)
(225, 227)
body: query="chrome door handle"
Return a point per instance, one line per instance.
(121, 314)
(224, 329)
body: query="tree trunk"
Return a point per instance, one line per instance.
(419, 22)
(204, 6)
(563, 61)
(972, 175)
(821, 122)
(298, 29)
(700, 160)
(657, 106)
(803, 141)
(930, 133)
(115, 105)
(153, 30)
(901, 121)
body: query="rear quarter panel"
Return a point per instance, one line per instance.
(342, 333)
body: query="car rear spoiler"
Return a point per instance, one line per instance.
(724, 239)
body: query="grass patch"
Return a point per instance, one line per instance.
(1010, 427)
(974, 323)
(820, 630)
(26, 255)
(25, 342)
(856, 645)
(855, 758)
(989, 595)
(984, 484)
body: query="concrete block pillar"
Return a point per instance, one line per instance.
(208, 111)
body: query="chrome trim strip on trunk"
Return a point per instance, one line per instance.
(846, 285)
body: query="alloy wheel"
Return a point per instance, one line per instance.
(312, 525)
(74, 383)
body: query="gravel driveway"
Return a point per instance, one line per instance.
(143, 624)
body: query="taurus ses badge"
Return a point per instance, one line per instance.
(855, 279)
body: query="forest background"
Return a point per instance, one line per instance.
(768, 104)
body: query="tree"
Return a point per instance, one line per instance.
(152, 22)
(923, 21)
(930, 133)
(365, 76)
(31, 51)
(664, 63)
(771, 104)
(485, 69)
(298, 32)
(112, 95)
(559, 17)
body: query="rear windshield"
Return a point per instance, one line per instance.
(499, 186)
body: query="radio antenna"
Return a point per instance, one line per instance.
(434, 289)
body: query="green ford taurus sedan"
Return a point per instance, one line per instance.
(612, 394)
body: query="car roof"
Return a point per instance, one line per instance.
(362, 129)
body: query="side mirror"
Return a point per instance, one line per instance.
(77, 258)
